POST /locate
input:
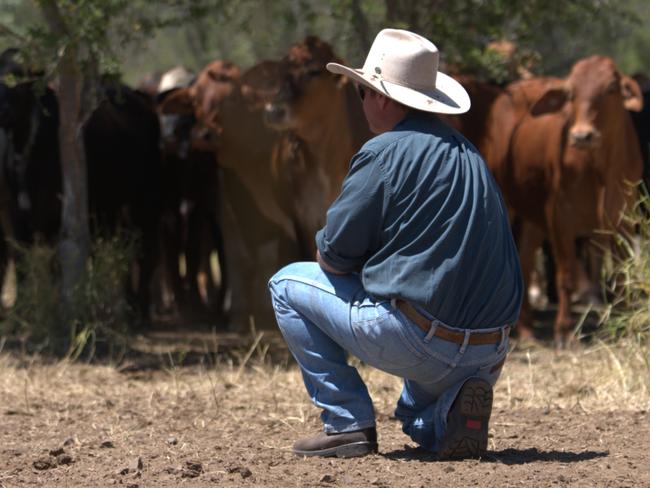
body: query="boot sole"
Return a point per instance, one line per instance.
(355, 449)
(467, 423)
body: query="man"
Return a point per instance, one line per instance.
(417, 272)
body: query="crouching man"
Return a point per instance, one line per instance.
(417, 273)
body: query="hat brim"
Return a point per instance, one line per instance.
(447, 97)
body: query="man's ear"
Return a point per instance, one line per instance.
(384, 101)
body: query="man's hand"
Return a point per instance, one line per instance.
(326, 267)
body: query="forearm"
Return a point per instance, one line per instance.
(326, 267)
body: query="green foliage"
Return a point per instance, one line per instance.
(36, 312)
(101, 313)
(145, 36)
(628, 315)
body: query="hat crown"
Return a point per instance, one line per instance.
(403, 58)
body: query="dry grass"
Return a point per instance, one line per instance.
(600, 377)
(237, 420)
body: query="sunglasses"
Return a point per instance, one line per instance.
(362, 92)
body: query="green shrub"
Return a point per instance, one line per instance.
(628, 314)
(100, 313)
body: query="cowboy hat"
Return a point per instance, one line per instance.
(404, 67)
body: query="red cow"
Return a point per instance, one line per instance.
(321, 114)
(564, 168)
(259, 234)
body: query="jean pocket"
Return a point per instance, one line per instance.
(383, 345)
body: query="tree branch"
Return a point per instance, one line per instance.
(53, 17)
(8, 32)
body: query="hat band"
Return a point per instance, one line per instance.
(404, 83)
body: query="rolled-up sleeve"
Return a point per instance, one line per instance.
(353, 227)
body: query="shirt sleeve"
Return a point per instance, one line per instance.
(354, 221)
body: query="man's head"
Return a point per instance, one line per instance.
(402, 70)
(382, 113)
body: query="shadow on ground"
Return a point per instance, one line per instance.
(508, 456)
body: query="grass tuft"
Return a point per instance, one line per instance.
(101, 311)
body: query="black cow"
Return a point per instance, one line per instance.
(642, 126)
(191, 224)
(121, 140)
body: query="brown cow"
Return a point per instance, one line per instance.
(566, 165)
(323, 116)
(474, 123)
(190, 224)
(259, 235)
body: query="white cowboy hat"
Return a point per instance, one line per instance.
(177, 77)
(404, 67)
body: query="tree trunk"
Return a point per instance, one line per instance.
(75, 236)
(74, 244)
(360, 23)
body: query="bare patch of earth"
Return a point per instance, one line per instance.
(579, 418)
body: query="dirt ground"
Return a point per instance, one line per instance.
(578, 418)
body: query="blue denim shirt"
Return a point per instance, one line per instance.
(421, 218)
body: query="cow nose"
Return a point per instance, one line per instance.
(274, 113)
(583, 137)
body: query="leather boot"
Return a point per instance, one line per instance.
(466, 435)
(343, 444)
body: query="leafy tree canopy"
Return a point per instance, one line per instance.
(137, 37)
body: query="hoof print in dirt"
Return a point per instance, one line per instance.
(44, 463)
(136, 465)
(192, 469)
(57, 452)
(64, 459)
(243, 471)
(107, 445)
(57, 457)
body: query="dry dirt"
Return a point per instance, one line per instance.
(578, 418)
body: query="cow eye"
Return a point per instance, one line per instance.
(313, 73)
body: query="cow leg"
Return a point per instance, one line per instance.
(222, 285)
(170, 249)
(588, 268)
(562, 242)
(146, 267)
(529, 238)
(195, 262)
(6, 251)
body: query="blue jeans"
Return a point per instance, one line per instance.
(323, 317)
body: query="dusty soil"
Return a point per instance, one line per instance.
(579, 418)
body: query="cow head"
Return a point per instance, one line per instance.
(593, 95)
(204, 99)
(300, 75)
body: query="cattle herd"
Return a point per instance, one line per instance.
(244, 164)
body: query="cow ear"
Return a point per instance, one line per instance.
(631, 92)
(177, 101)
(552, 101)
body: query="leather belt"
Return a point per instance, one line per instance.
(476, 337)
